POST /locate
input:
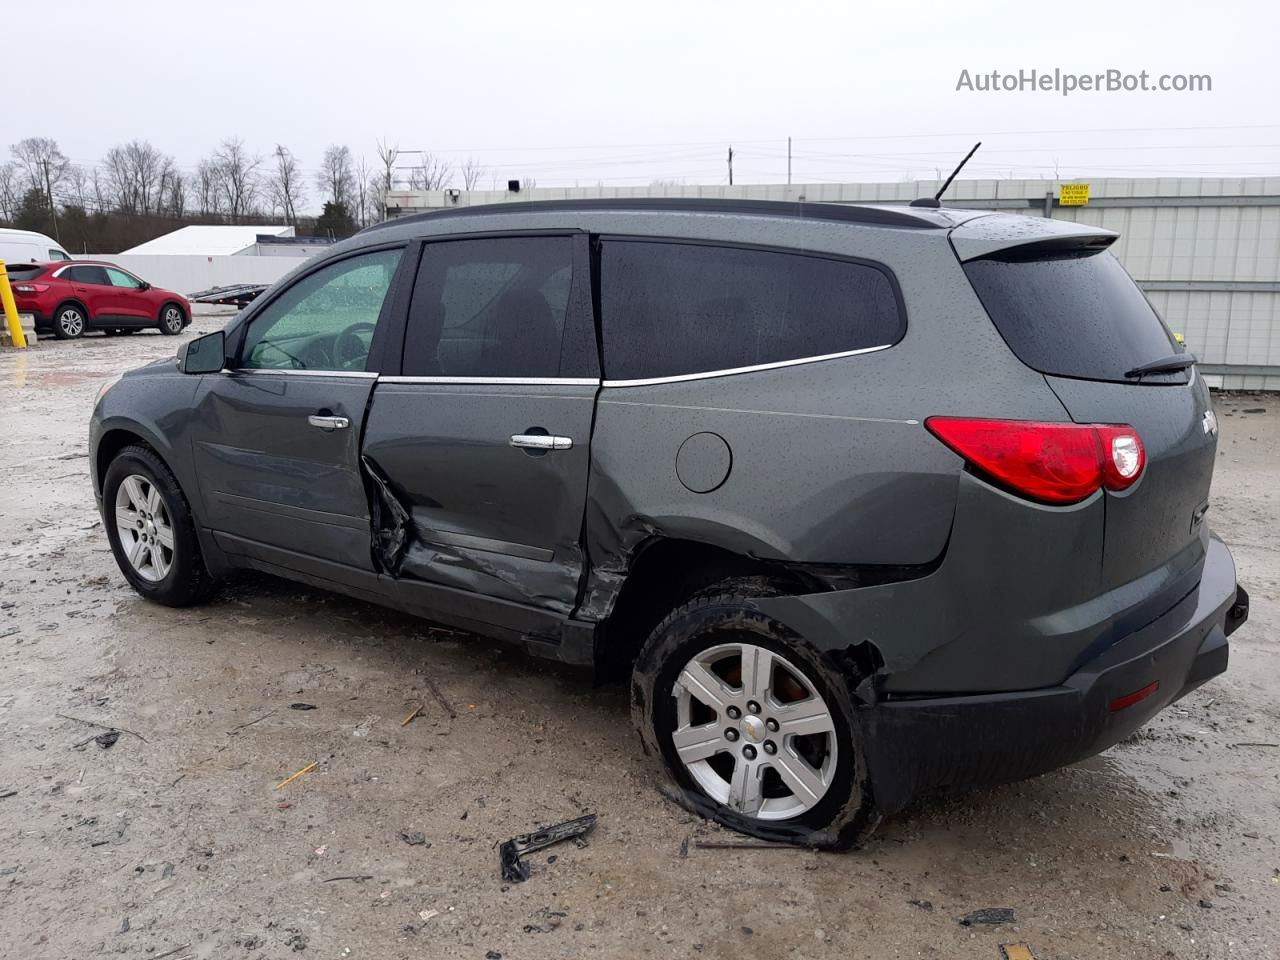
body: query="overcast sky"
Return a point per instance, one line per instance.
(627, 93)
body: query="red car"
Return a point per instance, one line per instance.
(70, 297)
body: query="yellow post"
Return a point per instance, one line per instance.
(11, 310)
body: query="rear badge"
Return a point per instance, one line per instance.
(1210, 423)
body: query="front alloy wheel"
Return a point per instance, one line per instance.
(145, 528)
(753, 732)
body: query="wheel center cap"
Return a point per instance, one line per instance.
(753, 728)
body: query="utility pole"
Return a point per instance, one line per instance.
(48, 192)
(788, 161)
(731, 166)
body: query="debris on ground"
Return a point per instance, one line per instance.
(435, 692)
(515, 870)
(416, 710)
(288, 780)
(107, 740)
(926, 905)
(987, 915)
(6, 794)
(302, 706)
(1016, 951)
(358, 877)
(414, 839)
(544, 920)
(103, 726)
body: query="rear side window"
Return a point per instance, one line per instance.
(87, 274)
(672, 309)
(58, 255)
(1078, 315)
(510, 307)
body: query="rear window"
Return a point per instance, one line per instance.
(1074, 315)
(21, 271)
(671, 309)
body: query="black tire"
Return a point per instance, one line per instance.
(846, 813)
(172, 319)
(187, 581)
(70, 322)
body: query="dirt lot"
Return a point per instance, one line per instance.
(174, 841)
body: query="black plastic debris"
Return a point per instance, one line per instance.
(108, 739)
(987, 915)
(514, 869)
(302, 706)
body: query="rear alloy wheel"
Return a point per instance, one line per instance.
(747, 717)
(755, 727)
(69, 323)
(171, 319)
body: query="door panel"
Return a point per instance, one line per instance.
(486, 516)
(268, 475)
(125, 298)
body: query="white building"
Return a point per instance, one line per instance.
(201, 257)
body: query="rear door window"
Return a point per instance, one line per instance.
(673, 309)
(1073, 315)
(510, 307)
(88, 273)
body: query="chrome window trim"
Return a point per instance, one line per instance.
(494, 381)
(734, 371)
(259, 371)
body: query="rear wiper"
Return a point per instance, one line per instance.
(1179, 361)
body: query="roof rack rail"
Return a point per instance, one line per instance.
(838, 212)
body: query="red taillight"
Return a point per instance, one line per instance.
(30, 287)
(1050, 462)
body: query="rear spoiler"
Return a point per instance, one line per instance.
(1031, 237)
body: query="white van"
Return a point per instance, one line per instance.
(23, 246)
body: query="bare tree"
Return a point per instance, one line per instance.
(377, 198)
(45, 167)
(430, 173)
(362, 198)
(11, 189)
(388, 154)
(471, 173)
(138, 174)
(237, 175)
(207, 188)
(335, 178)
(173, 193)
(79, 189)
(284, 184)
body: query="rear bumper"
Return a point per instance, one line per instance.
(918, 745)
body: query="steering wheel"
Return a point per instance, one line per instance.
(349, 350)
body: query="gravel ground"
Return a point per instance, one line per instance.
(174, 841)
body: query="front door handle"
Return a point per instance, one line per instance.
(541, 441)
(329, 423)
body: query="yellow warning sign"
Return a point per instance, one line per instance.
(1073, 194)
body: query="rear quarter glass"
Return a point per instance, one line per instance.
(1077, 315)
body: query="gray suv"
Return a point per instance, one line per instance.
(865, 501)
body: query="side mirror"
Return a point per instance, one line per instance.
(207, 354)
(145, 285)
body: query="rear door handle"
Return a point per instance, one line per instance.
(541, 441)
(329, 423)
